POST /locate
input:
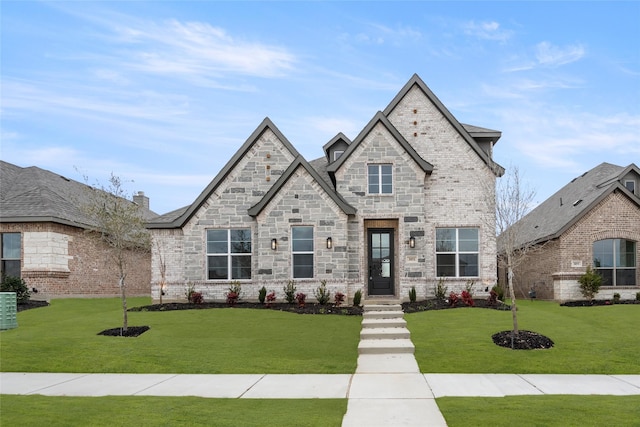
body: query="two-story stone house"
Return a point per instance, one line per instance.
(408, 202)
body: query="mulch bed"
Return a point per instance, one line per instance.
(436, 304)
(313, 308)
(132, 331)
(31, 304)
(598, 302)
(523, 340)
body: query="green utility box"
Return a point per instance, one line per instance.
(8, 310)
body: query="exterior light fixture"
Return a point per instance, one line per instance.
(274, 244)
(329, 243)
(412, 242)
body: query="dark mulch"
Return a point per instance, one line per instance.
(437, 304)
(598, 302)
(293, 308)
(28, 305)
(132, 331)
(523, 340)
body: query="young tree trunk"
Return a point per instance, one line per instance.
(123, 294)
(514, 311)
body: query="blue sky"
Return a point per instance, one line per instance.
(163, 93)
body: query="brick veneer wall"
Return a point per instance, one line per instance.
(559, 263)
(89, 272)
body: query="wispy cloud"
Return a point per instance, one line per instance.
(554, 56)
(376, 33)
(487, 30)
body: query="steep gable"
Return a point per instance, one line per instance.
(416, 129)
(275, 152)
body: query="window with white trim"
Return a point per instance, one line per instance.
(457, 252)
(302, 252)
(615, 261)
(229, 254)
(380, 179)
(337, 154)
(11, 247)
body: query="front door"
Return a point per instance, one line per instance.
(380, 261)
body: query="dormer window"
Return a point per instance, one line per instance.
(631, 185)
(337, 154)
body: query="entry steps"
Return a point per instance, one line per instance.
(384, 330)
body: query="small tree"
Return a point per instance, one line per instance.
(590, 283)
(119, 223)
(513, 201)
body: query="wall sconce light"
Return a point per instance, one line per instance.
(412, 242)
(329, 243)
(274, 244)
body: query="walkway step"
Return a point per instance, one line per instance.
(382, 315)
(382, 307)
(385, 346)
(384, 323)
(384, 333)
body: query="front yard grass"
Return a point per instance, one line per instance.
(588, 340)
(169, 411)
(63, 338)
(549, 410)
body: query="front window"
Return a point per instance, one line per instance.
(302, 252)
(11, 252)
(457, 252)
(380, 179)
(615, 261)
(229, 254)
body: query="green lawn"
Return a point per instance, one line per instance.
(168, 411)
(524, 411)
(588, 340)
(63, 338)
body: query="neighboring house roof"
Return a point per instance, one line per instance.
(179, 217)
(381, 118)
(33, 194)
(300, 162)
(554, 216)
(464, 130)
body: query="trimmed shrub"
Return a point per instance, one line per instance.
(590, 283)
(301, 298)
(357, 297)
(271, 298)
(441, 290)
(467, 298)
(290, 291)
(322, 294)
(338, 298)
(17, 285)
(616, 298)
(412, 294)
(262, 294)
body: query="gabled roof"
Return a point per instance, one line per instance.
(33, 194)
(180, 216)
(339, 137)
(477, 132)
(382, 119)
(554, 216)
(300, 162)
(464, 133)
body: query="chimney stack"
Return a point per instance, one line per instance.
(141, 200)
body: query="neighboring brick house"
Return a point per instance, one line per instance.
(592, 221)
(44, 240)
(405, 203)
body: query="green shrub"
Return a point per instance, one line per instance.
(499, 290)
(357, 297)
(616, 298)
(290, 291)
(469, 287)
(321, 293)
(262, 294)
(412, 294)
(17, 285)
(590, 283)
(637, 296)
(441, 290)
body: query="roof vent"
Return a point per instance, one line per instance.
(577, 202)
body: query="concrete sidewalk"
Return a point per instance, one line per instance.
(312, 386)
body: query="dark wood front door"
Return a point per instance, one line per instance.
(380, 261)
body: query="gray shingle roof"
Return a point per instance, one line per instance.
(553, 216)
(33, 194)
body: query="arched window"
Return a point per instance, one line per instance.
(615, 260)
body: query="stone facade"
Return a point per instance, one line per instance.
(61, 261)
(441, 178)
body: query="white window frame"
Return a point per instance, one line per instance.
(337, 154)
(305, 252)
(379, 173)
(457, 252)
(229, 254)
